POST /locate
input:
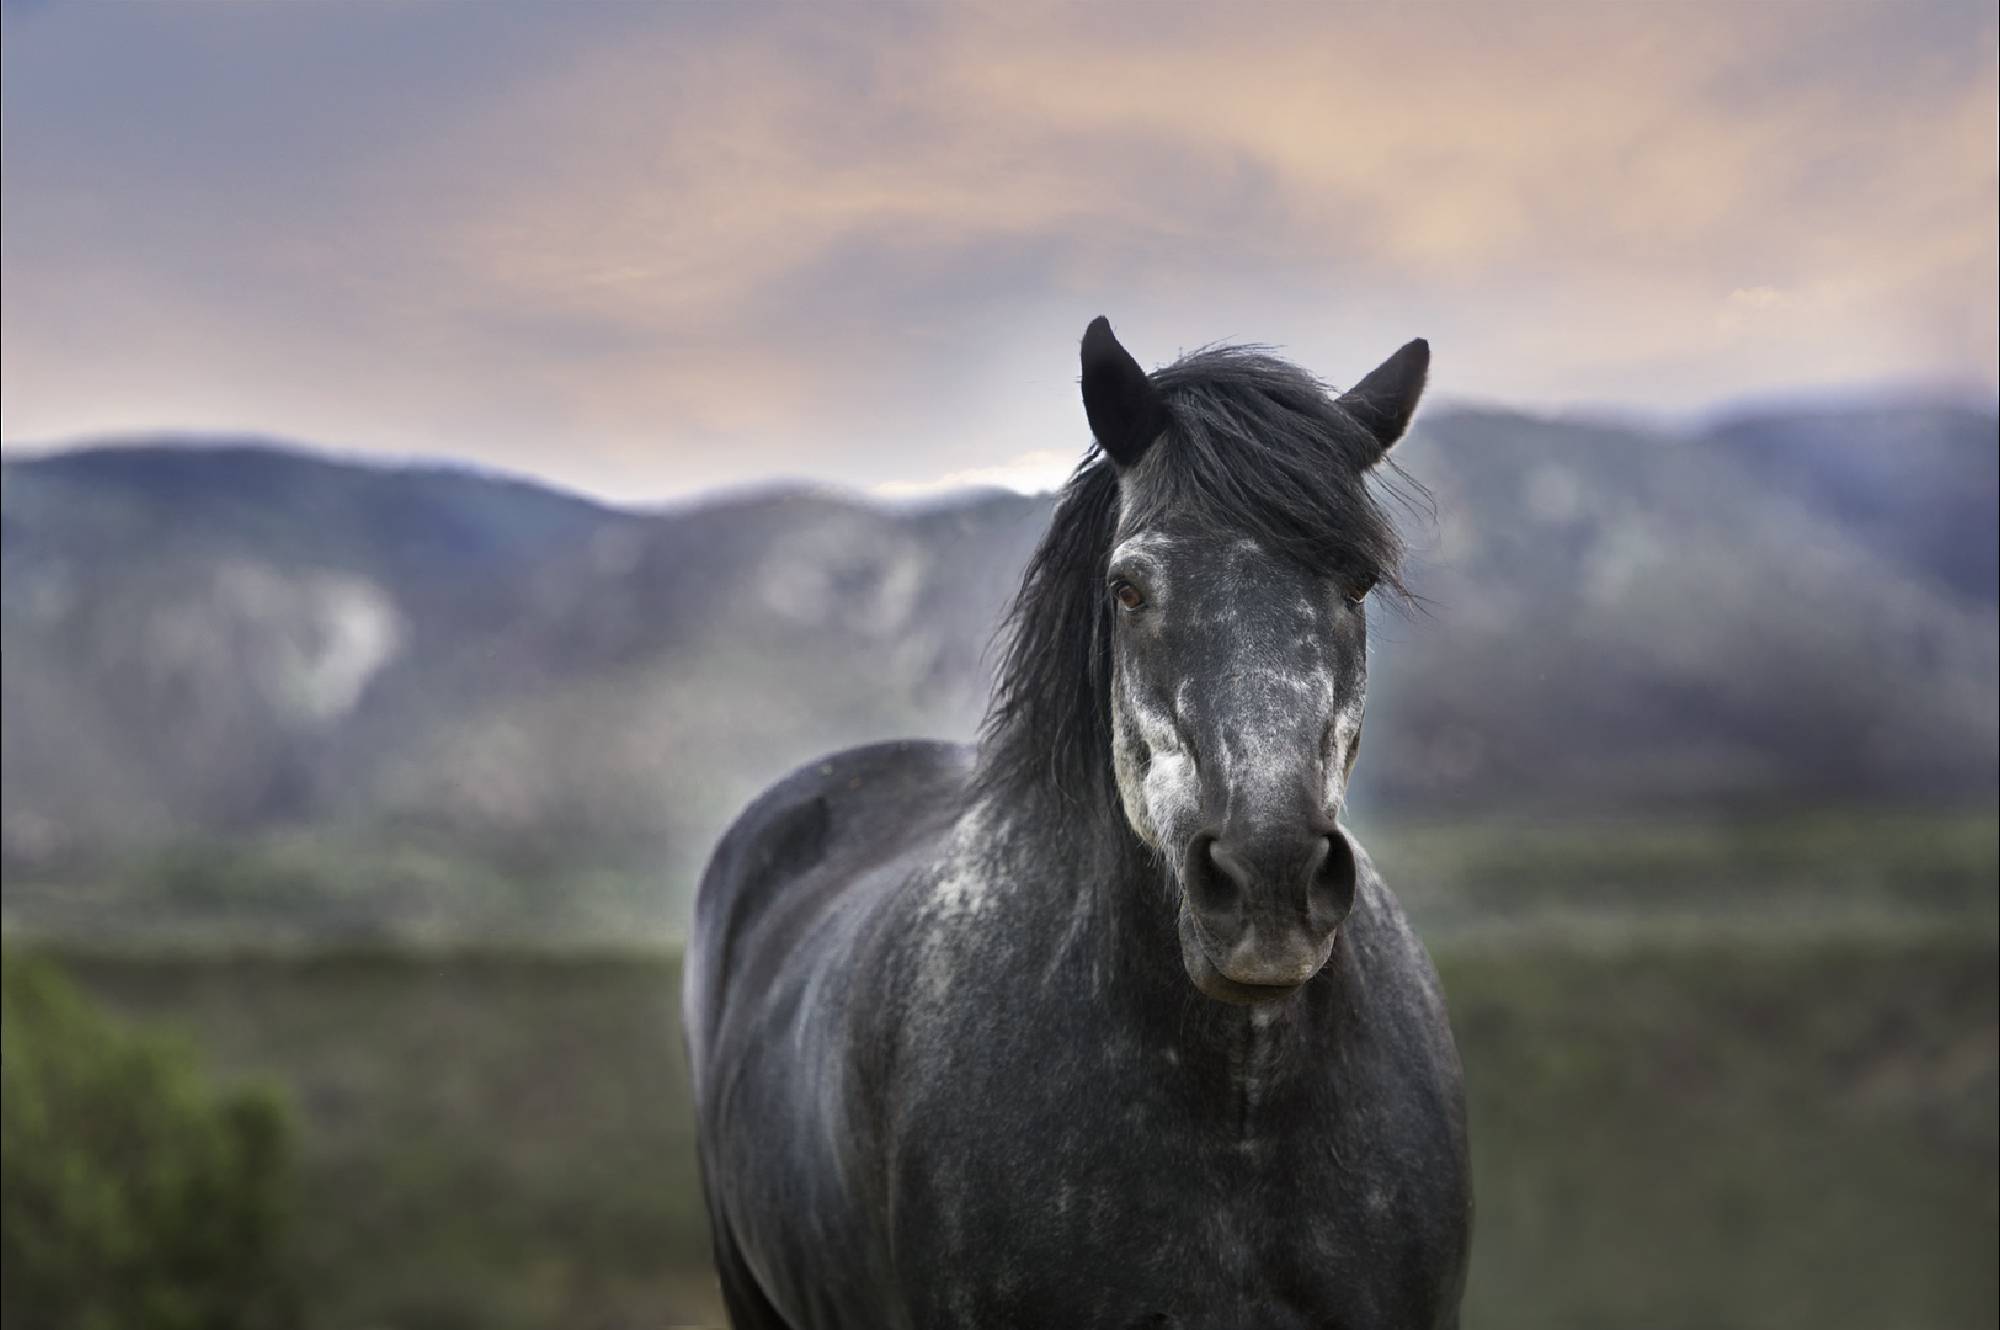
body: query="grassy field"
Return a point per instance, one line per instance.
(1719, 1076)
(1851, 870)
(490, 1141)
(1731, 1131)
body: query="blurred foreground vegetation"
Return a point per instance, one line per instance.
(1743, 1076)
(131, 1192)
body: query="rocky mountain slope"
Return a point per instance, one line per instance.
(433, 676)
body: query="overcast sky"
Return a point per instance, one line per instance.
(648, 248)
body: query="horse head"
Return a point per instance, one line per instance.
(1243, 549)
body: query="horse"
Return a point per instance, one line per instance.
(1105, 1020)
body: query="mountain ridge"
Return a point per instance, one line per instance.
(222, 646)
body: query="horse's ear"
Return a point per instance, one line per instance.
(1384, 401)
(1124, 409)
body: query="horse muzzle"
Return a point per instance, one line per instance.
(1259, 917)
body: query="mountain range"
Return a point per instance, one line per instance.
(417, 692)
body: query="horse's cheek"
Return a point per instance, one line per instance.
(1173, 800)
(1130, 760)
(1158, 782)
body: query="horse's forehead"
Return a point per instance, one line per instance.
(1241, 580)
(1221, 580)
(1234, 576)
(1218, 551)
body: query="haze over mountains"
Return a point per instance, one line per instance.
(426, 696)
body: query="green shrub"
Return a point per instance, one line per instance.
(133, 1196)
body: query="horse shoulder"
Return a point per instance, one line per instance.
(777, 1000)
(791, 852)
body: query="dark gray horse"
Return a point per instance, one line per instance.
(1106, 1022)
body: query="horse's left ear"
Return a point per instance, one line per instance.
(1384, 401)
(1123, 406)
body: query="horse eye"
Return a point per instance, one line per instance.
(1128, 596)
(1358, 591)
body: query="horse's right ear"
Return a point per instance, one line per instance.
(1124, 408)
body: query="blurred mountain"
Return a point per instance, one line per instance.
(215, 649)
(435, 675)
(1628, 620)
(1915, 486)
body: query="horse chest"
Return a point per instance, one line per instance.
(1113, 1199)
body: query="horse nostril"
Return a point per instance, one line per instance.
(1214, 882)
(1330, 895)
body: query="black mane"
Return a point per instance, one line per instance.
(1255, 447)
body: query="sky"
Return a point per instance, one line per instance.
(647, 248)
